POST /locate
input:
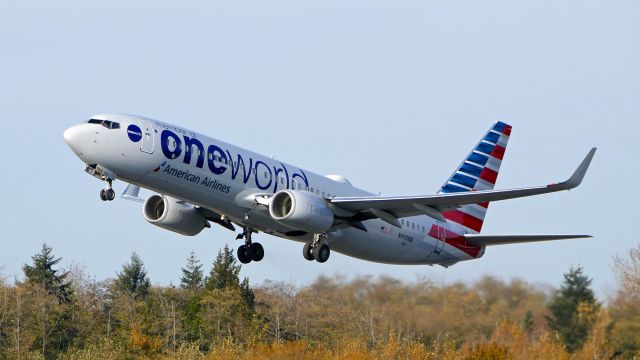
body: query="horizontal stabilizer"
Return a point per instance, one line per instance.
(488, 240)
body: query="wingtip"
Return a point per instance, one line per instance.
(576, 179)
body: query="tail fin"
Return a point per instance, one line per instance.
(479, 171)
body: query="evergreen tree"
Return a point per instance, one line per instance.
(570, 308)
(225, 271)
(43, 275)
(248, 295)
(133, 279)
(192, 274)
(527, 322)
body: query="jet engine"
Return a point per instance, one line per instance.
(174, 215)
(301, 210)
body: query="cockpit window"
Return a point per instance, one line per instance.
(106, 123)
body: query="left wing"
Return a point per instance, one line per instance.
(487, 240)
(391, 208)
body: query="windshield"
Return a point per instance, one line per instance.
(106, 123)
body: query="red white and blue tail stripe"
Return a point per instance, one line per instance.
(479, 171)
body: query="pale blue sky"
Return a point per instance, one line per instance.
(391, 94)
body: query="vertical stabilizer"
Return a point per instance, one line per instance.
(479, 171)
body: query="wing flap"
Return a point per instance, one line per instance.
(488, 240)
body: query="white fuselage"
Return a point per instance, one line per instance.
(225, 178)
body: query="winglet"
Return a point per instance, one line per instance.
(576, 179)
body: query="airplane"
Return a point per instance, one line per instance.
(199, 181)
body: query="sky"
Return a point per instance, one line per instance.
(390, 94)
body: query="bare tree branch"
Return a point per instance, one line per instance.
(628, 269)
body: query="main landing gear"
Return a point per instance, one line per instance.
(317, 249)
(108, 194)
(250, 251)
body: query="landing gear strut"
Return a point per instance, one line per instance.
(250, 251)
(108, 194)
(317, 249)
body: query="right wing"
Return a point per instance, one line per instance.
(388, 208)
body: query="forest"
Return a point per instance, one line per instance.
(64, 313)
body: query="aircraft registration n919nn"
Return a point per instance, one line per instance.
(200, 180)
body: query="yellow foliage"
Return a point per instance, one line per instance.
(144, 344)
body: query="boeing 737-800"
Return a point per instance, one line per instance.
(199, 180)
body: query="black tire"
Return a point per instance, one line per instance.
(103, 196)
(306, 252)
(110, 194)
(322, 253)
(242, 255)
(256, 252)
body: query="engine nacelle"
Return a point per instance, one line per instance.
(301, 210)
(174, 215)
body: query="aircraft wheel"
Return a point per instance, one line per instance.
(242, 255)
(110, 194)
(256, 252)
(306, 252)
(103, 195)
(321, 253)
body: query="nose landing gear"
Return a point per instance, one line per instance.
(250, 251)
(108, 194)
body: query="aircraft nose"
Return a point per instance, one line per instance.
(73, 138)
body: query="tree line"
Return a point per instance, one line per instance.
(56, 313)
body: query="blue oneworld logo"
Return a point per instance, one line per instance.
(134, 133)
(220, 161)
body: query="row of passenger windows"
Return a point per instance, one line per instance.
(412, 225)
(106, 123)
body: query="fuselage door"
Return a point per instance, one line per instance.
(147, 136)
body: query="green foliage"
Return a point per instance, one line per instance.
(192, 275)
(191, 320)
(527, 322)
(133, 279)
(225, 274)
(225, 271)
(572, 309)
(41, 273)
